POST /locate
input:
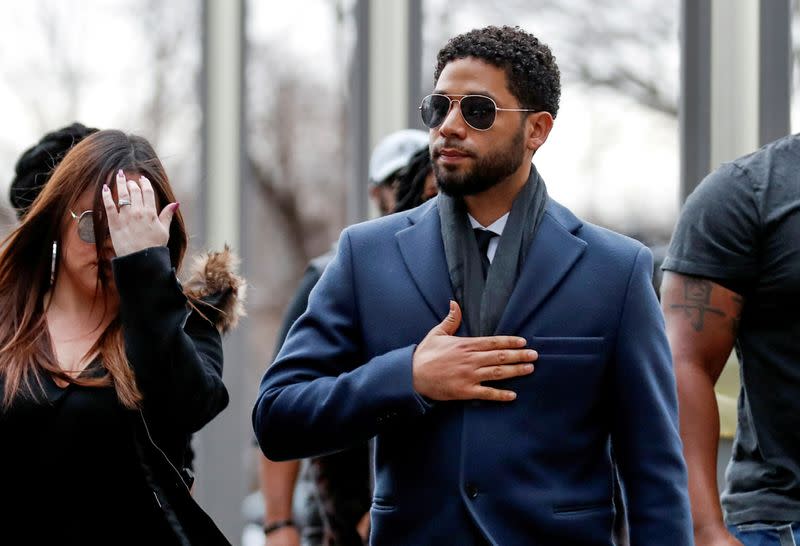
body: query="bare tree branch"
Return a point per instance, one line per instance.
(629, 48)
(285, 204)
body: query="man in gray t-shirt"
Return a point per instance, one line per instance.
(732, 279)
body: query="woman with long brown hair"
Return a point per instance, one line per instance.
(107, 363)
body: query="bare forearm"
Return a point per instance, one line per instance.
(702, 319)
(699, 417)
(277, 482)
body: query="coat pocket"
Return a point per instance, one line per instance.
(567, 346)
(567, 383)
(581, 509)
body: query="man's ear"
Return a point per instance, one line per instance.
(537, 128)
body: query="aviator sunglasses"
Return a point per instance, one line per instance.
(479, 112)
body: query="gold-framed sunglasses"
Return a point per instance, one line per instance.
(478, 111)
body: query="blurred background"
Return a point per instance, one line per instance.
(264, 113)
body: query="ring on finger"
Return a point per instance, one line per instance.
(124, 203)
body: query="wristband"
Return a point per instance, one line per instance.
(274, 526)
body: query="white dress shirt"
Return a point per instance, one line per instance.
(497, 227)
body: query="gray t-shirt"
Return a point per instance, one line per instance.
(741, 229)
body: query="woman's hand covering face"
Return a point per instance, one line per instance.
(134, 221)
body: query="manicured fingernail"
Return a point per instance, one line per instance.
(528, 367)
(511, 396)
(177, 205)
(120, 173)
(105, 187)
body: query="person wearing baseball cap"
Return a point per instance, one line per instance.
(326, 500)
(388, 159)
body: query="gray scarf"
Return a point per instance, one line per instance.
(483, 302)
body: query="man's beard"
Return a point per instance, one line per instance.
(487, 172)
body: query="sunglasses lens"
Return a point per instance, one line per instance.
(434, 110)
(478, 111)
(86, 228)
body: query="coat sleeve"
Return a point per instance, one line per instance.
(297, 306)
(176, 354)
(322, 394)
(645, 434)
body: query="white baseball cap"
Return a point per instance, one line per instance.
(393, 152)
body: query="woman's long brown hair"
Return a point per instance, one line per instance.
(26, 351)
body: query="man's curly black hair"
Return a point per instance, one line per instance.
(531, 69)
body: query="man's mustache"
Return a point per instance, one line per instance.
(437, 148)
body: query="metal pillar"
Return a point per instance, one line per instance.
(735, 81)
(414, 60)
(695, 93)
(359, 116)
(221, 480)
(775, 74)
(386, 85)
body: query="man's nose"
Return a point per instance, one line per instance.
(453, 124)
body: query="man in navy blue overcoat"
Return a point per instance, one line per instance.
(497, 346)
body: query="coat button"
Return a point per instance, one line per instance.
(472, 491)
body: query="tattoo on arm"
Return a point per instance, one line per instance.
(697, 302)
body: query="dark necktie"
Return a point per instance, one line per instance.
(484, 237)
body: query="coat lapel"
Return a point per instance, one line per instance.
(553, 253)
(423, 253)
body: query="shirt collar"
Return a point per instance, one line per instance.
(497, 226)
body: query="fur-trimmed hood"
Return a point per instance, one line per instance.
(213, 279)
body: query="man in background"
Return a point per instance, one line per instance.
(732, 280)
(325, 500)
